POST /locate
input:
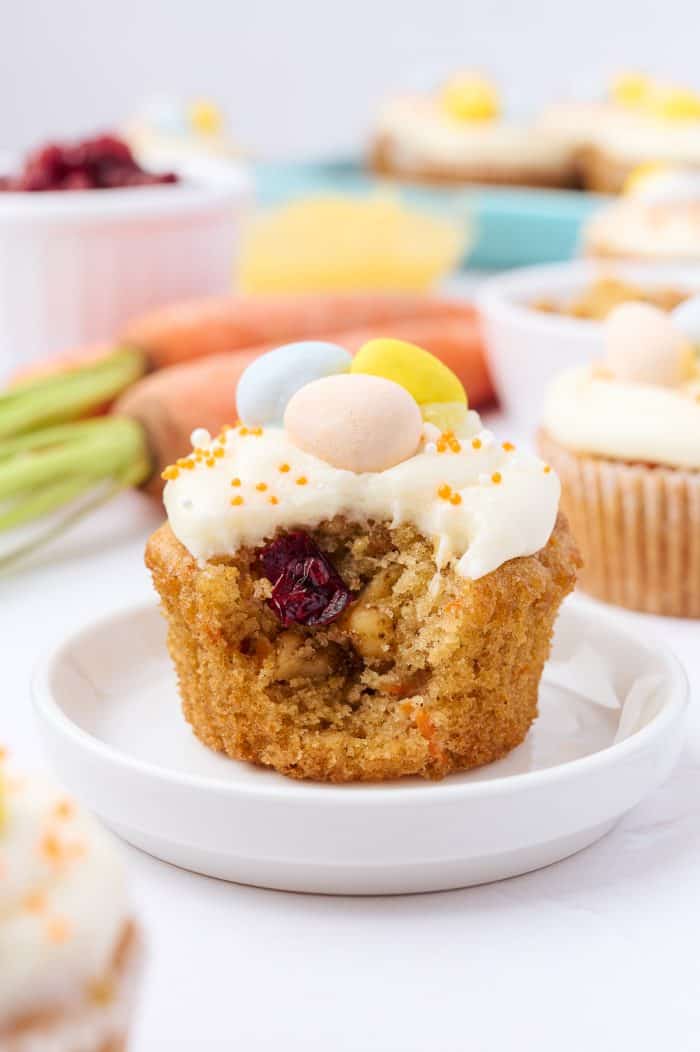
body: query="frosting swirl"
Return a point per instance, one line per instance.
(625, 421)
(482, 502)
(63, 901)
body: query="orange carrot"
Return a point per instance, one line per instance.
(209, 326)
(59, 363)
(170, 404)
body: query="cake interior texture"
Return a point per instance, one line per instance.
(412, 679)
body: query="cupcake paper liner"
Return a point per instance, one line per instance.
(637, 527)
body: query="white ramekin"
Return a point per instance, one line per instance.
(527, 347)
(75, 266)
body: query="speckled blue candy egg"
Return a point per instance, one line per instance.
(269, 382)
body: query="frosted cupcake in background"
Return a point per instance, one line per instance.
(458, 134)
(624, 437)
(172, 131)
(70, 952)
(643, 120)
(658, 218)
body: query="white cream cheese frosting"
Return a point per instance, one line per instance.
(63, 902)
(418, 132)
(480, 501)
(667, 231)
(624, 134)
(643, 423)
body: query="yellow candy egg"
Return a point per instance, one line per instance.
(423, 375)
(470, 97)
(205, 117)
(448, 416)
(672, 103)
(630, 89)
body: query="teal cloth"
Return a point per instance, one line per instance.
(511, 227)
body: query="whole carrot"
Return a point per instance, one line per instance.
(201, 327)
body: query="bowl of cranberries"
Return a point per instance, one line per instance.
(90, 237)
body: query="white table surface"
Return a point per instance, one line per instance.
(600, 951)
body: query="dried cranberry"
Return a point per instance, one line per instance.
(307, 590)
(102, 162)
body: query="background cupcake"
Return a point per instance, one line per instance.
(657, 220)
(69, 948)
(624, 437)
(459, 135)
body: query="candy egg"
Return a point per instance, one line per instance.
(423, 375)
(643, 346)
(448, 416)
(686, 318)
(269, 382)
(359, 423)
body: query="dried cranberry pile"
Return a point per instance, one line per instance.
(104, 162)
(306, 588)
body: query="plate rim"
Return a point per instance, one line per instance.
(391, 793)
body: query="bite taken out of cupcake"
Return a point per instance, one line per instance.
(624, 436)
(360, 581)
(70, 952)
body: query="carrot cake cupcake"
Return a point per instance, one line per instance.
(643, 120)
(69, 949)
(624, 437)
(459, 135)
(659, 219)
(360, 581)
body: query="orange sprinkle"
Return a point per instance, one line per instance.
(444, 492)
(52, 849)
(185, 462)
(302, 480)
(441, 445)
(235, 482)
(508, 447)
(210, 462)
(496, 477)
(170, 473)
(58, 929)
(236, 501)
(476, 443)
(547, 469)
(34, 902)
(242, 430)
(284, 468)
(455, 499)
(261, 486)
(219, 451)
(199, 452)
(455, 445)
(64, 809)
(274, 500)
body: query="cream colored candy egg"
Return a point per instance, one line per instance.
(356, 422)
(643, 346)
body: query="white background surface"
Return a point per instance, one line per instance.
(597, 952)
(307, 76)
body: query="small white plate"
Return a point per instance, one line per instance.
(110, 716)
